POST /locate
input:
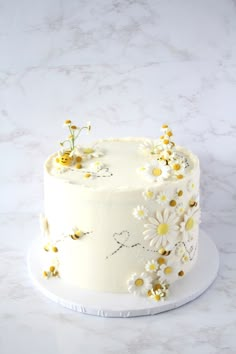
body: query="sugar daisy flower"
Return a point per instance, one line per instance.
(162, 198)
(89, 152)
(140, 212)
(149, 147)
(177, 167)
(165, 128)
(190, 223)
(162, 229)
(156, 171)
(180, 209)
(168, 271)
(96, 166)
(139, 284)
(165, 155)
(158, 295)
(166, 143)
(151, 266)
(149, 194)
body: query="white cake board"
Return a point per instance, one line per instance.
(128, 305)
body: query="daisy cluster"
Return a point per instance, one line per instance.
(76, 157)
(164, 161)
(167, 232)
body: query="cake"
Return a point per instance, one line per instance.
(121, 215)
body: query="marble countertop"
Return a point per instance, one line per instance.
(128, 66)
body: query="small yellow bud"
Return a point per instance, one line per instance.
(180, 176)
(157, 287)
(54, 249)
(67, 122)
(172, 203)
(45, 274)
(52, 268)
(78, 159)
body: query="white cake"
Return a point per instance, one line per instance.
(121, 215)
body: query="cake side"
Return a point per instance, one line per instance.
(106, 232)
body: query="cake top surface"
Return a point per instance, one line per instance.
(124, 163)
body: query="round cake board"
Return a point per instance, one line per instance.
(127, 305)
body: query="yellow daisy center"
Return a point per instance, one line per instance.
(157, 287)
(156, 171)
(189, 224)
(156, 297)
(163, 198)
(88, 150)
(149, 194)
(164, 126)
(166, 141)
(185, 258)
(168, 270)
(152, 266)
(139, 282)
(141, 213)
(162, 229)
(176, 167)
(180, 193)
(181, 273)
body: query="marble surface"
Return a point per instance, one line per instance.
(128, 66)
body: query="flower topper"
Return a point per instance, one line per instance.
(164, 161)
(74, 134)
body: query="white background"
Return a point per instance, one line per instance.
(127, 66)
